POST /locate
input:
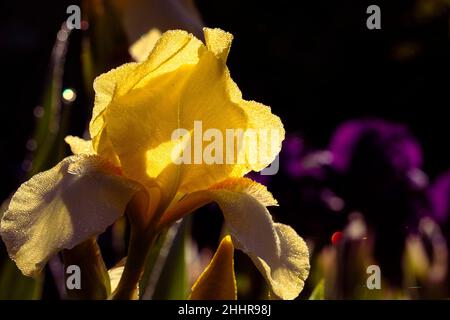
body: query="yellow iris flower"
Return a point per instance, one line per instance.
(127, 166)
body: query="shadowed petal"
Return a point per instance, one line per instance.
(60, 208)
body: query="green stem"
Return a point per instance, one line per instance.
(140, 244)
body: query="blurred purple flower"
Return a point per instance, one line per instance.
(292, 151)
(258, 177)
(299, 160)
(387, 141)
(379, 163)
(439, 194)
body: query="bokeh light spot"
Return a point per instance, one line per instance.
(69, 95)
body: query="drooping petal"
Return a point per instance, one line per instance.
(287, 273)
(59, 208)
(217, 281)
(277, 250)
(186, 85)
(80, 146)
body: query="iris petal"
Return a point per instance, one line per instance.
(277, 250)
(60, 208)
(181, 82)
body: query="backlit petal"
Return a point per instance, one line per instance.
(288, 272)
(105, 86)
(59, 208)
(182, 82)
(218, 42)
(277, 250)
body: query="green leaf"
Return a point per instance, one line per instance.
(48, 133)
(15, 286)
(319, 291)
(150, 276)
(166, 277)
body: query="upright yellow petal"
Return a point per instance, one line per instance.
(60, 208)
(183, 84)
(105, 86)
(174, 49)
(217, 282)
(218, 42)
